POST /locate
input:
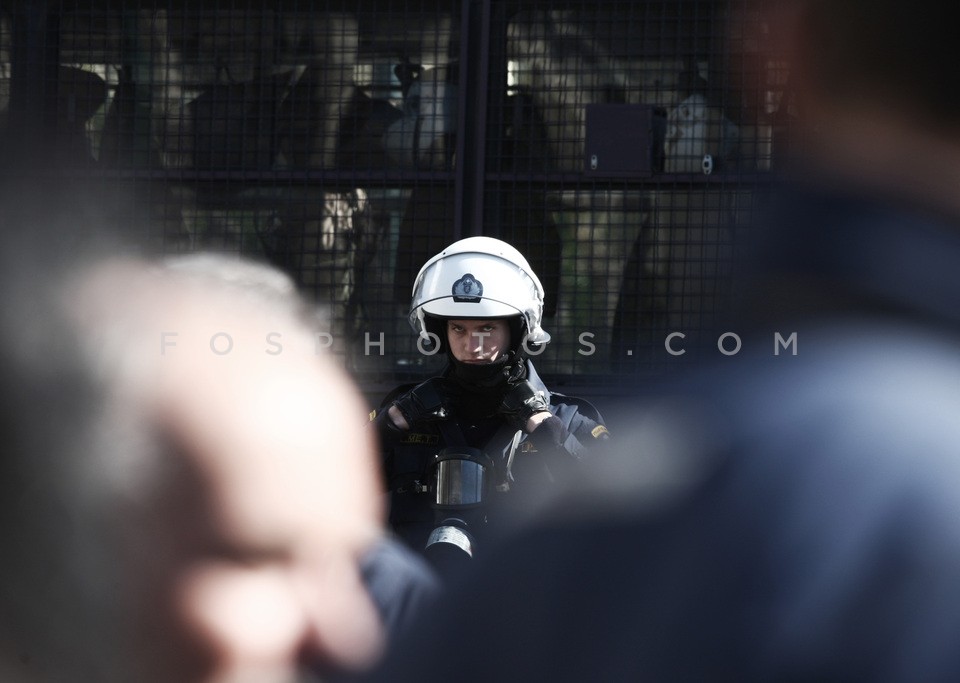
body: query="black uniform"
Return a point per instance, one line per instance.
(523, 465)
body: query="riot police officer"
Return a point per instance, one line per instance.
(486, 429)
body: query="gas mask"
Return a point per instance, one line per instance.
(461, 479)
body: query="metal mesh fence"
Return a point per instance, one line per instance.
(619, 145)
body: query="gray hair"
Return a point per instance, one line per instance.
(255, 282)
(123, 460)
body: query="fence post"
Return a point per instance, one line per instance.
(472, 117)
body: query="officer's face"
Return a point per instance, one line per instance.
(478, 341)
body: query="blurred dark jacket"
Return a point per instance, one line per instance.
(770, 516)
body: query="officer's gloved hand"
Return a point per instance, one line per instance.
(521, 402)
(430, 400)
(514, 369)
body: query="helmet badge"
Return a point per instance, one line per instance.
(467, 289)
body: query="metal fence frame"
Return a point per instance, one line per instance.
(476, 182)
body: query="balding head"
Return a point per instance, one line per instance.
(254, 490)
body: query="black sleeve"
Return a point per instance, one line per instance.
(568, 438)
(388, 433)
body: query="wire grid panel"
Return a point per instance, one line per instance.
(630, 217)
(324, 138)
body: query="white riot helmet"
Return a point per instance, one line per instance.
(479, 277)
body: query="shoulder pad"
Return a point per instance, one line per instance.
(585, 407)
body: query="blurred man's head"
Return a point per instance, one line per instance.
(871, 94)
(247, 491)
(879, 54)
(49, 402)
(47, 405)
